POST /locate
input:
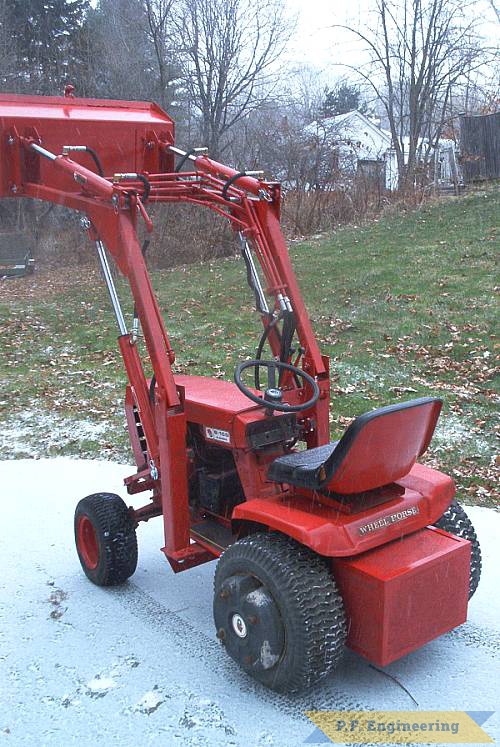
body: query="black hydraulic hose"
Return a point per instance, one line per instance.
(261, 344)
(287, 334)
(230, 182)
(96, 160)
(144, 250)
(184, 158)
(147, 187)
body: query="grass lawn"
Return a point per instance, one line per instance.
(404, 306)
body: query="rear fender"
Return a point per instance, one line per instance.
(329, 532)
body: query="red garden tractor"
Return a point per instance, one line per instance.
(320, 544)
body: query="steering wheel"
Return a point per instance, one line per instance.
(273, 394)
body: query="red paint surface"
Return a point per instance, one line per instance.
(87, 542)
(402, 595)
(386, 449)
(333, 533)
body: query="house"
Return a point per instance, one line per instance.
(363, 147)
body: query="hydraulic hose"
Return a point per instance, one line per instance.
(190, 152)
(261, 344)
(147, 187)
(67, 149)
(135, 177)
(96, 160)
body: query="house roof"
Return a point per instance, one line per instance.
(353, 132)
(354, 123)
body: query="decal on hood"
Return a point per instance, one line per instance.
(216, 434)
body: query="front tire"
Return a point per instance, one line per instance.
(105, 539)
(278, 612)
(455, 521)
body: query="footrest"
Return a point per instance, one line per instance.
(212, 535)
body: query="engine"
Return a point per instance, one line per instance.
(214, 484)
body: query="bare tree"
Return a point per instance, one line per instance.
(230, 50)
(307, 85)
(420, 50)
(161, 34)
(495, 9)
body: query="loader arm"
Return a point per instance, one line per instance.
(44, 155)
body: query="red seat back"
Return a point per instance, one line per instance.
(381, 446)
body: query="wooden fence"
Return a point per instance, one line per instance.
(480, 146)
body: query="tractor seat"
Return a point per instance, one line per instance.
(377, 448)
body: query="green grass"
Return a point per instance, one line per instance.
(404, 306)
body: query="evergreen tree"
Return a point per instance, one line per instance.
(44, 40)
(342, 99)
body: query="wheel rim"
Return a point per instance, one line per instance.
(87, 542)
(249, 623)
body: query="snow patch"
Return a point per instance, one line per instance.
(452, 430)
(100, 686)
(258, 597)
(68, 701)
(149, 703)
(202, 713)
(267, 658)
(25, 432)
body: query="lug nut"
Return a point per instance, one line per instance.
(253, 619)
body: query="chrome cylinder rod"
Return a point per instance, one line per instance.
(106, 271)
(191, 156)
(257, 285)
(42, 152)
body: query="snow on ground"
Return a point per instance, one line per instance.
(140, 665)
(31, 432)
(452, 431)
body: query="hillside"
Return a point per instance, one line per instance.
(404, 306)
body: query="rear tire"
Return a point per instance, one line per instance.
(278, 612)
(455, 521)
(105, 539)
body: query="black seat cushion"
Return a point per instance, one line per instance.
(302, 468)
(377, 448)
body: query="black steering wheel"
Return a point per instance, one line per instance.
(273, 394)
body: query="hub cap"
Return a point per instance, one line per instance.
(239, 626)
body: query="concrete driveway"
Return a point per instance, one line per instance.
(140, 665)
